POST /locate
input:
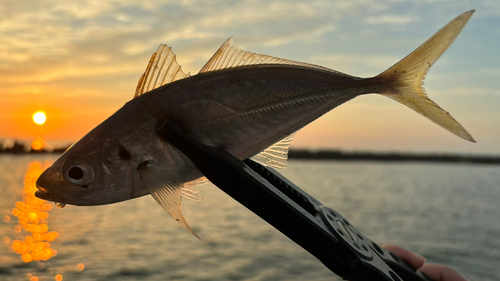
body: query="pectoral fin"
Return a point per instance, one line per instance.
(191, 189)
(166, 188)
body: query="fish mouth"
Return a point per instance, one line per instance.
(44, 194)
(48, 196)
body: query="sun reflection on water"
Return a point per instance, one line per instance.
(32, 214)
(38, 144)
(35, 236)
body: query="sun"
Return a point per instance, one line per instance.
(39, 117)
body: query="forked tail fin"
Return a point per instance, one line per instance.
(406, 77)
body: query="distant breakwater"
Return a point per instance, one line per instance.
(392, 157)
(19, 148)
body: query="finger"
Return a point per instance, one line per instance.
(439, 272)
(414, 259)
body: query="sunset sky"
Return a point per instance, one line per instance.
(79, 61)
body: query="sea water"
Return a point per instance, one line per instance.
(449, 213)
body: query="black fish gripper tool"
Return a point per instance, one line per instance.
(320, 230)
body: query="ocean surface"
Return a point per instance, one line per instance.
(449, 213)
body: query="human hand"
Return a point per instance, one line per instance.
(436, 272)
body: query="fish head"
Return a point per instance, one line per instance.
(94, 171)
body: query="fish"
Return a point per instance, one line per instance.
(249, 104)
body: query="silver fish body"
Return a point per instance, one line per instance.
(243, 102)
(244, 110)
(248, 109)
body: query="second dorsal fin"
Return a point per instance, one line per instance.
(162, 69)
(229, 55)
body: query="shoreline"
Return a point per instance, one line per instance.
(392, 157)
(19, 148)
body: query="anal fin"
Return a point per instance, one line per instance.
(166, 188)
(276, 155)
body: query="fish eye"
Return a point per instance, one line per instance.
(78, 172)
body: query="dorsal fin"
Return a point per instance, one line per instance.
(229, 56)
(276, 155)
(162, 69)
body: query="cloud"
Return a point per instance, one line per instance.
(90, 53)
(390, 19)
(356, 64)
(53, 40)
(471, 91)
(305, 35)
